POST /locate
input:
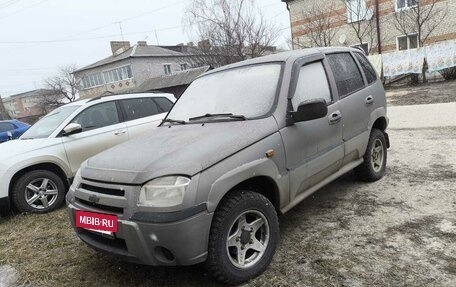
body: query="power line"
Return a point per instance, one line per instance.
(23, 9)
(88, 38)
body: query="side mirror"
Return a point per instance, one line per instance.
(9, 135)
(310, 110)
(72, 129)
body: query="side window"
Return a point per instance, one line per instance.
(97, 116)
(312, 84)
(4, 127)
(370, 73)
(139, 108)
(346, 73)
(164, 104)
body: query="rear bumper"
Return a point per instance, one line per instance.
(182, 242)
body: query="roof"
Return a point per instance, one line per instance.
(177, 79)
(285, 56)
(135, 51)
(38, 92)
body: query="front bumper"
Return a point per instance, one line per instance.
(177, 243)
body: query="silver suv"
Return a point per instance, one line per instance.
(244, 143)
(37, 169)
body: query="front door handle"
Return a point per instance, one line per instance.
(369, 100)
(120, 132)
(335, 117)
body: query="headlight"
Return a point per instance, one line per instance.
(164, 191)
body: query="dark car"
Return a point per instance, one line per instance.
(12, 129)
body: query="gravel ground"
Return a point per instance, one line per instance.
(399, 231)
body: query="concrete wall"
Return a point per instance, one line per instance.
(142, 68)
(445, 31)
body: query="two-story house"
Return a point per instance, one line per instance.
(129, 67)
(377, 26)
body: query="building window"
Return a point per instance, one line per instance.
(118, 74)
(357, 11)
(92, 80)
(167, 69)
(407, 42)
(184, 66)
(405, 4)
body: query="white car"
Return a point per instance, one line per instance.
(37, 169)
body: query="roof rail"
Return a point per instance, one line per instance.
(111, 94)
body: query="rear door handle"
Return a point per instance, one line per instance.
(369, 100)
(335, 117)
(120, 132)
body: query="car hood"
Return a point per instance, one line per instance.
(177, 149)
(14, 148)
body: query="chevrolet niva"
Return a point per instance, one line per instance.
(244, 143)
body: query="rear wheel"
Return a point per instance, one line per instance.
(38, 191)
(243, 238)
(373, 167)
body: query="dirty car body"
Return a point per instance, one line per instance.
(275, 149)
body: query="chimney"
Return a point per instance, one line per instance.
(142, 43)
(204, 44)
(118, 47)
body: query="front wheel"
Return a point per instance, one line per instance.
(373, 167)
(38, 191)
(243, 238)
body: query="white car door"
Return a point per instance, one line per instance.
(143, 114)
(101, 129)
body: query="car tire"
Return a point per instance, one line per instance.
(373, 167)
(38, 191)
(237, 254)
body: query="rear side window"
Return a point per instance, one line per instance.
(312, 84)
(346, 73)
(4, 127)
(98, 116)
(139, 108)
(164, 104)
(370, 73)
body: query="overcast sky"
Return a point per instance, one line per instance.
(38, 36)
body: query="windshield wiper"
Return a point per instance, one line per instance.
(229, 115)
(174, 121)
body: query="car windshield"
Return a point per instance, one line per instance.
(240, 93)
(45, 126)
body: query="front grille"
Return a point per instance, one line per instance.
(109, 191)
(110, 209)
(116, 243)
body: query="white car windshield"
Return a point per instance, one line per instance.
(46, 126)
(240, 93)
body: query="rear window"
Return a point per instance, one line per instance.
(368, 70)
(139, 108)
(346, 73)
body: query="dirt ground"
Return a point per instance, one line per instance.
(399, 231)
(432, 93)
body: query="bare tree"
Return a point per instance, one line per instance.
(64, 83)
(359, 16)
(320, 25)
(421, 19)
(49, 100)
(229, 31)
